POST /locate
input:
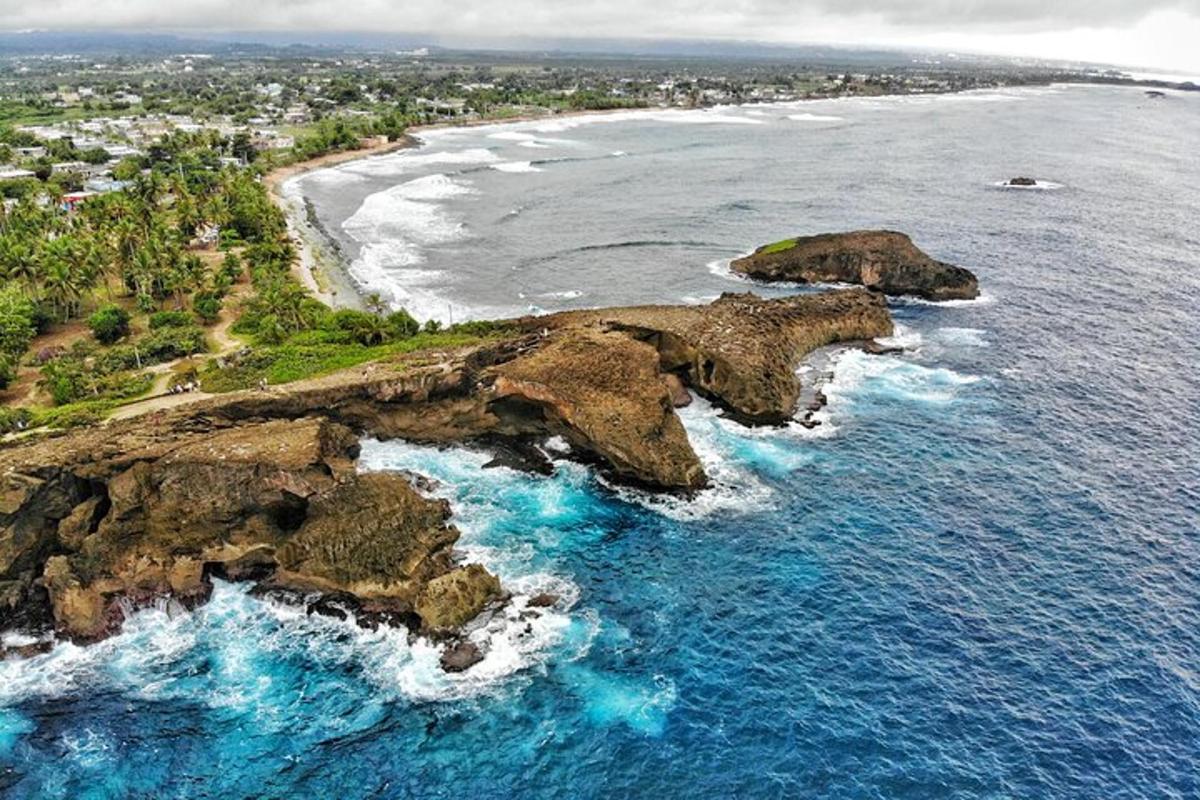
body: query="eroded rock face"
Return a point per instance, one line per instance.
(277, 500)
(603, 391)
(262, 485)
(886, 261)
(742, 351)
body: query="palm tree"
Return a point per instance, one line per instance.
(61, 286)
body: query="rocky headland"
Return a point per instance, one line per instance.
(262, 485)
(886, 261)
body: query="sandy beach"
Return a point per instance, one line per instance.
(319, 268)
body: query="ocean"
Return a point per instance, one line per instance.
(979, 577)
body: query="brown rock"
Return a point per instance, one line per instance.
(542, 600)
(742, 350)
(461, 656)
(883, 260)
(603, 392)
(454, 599)
(680, 396)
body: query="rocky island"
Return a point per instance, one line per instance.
(262, 485)
(886, 261)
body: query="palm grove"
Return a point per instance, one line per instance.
(130, 264)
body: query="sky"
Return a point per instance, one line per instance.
(1156, 34)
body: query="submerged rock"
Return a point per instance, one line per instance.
(543, 600)
(886, 261)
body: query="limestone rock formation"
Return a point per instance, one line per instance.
(603, 392)
(886, 261)
(742, 351)
(262, 485)
(156, 513)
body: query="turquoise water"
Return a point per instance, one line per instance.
(976, 579)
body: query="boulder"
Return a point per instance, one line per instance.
(542, 600)
(886, 261)
(452, 600)
(461, 656)
(680, 396)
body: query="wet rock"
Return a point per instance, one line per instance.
(542, 600)
(1021, 182)
(461, 656)
(339, 605)
(873, 347)
(452, 600)
(516, 453)
(22, 651)
(886, 261)
(680, 396)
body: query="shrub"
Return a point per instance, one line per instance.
(207, 306)
(14, 419)
(109, 324)
(8, 370)
(402, 324)
(431, 326)
(170, 319)
(64, 378)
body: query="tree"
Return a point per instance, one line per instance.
(109, 323)
(17, 327)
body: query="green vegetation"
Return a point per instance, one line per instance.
(313, 354)
(777, 247)
(109, 323)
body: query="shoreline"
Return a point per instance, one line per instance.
(323, 270)
(320, 267)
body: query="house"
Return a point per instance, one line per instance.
(11, 173)
(72, 200)
(104, 185)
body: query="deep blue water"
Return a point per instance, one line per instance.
(980, 578)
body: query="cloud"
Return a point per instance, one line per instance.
(586, 18)
(1120, 31)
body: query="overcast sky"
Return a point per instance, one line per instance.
(1163, 34)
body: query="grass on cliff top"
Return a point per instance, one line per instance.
(306, 356)
(777, 247)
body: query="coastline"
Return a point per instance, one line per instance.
(319, 267)
(322, 269)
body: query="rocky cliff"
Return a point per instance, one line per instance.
(742, 351)
(886, 261)
(145, 513)
(262, 485)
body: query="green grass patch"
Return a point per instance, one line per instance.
(302, 357)
(777, 247)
